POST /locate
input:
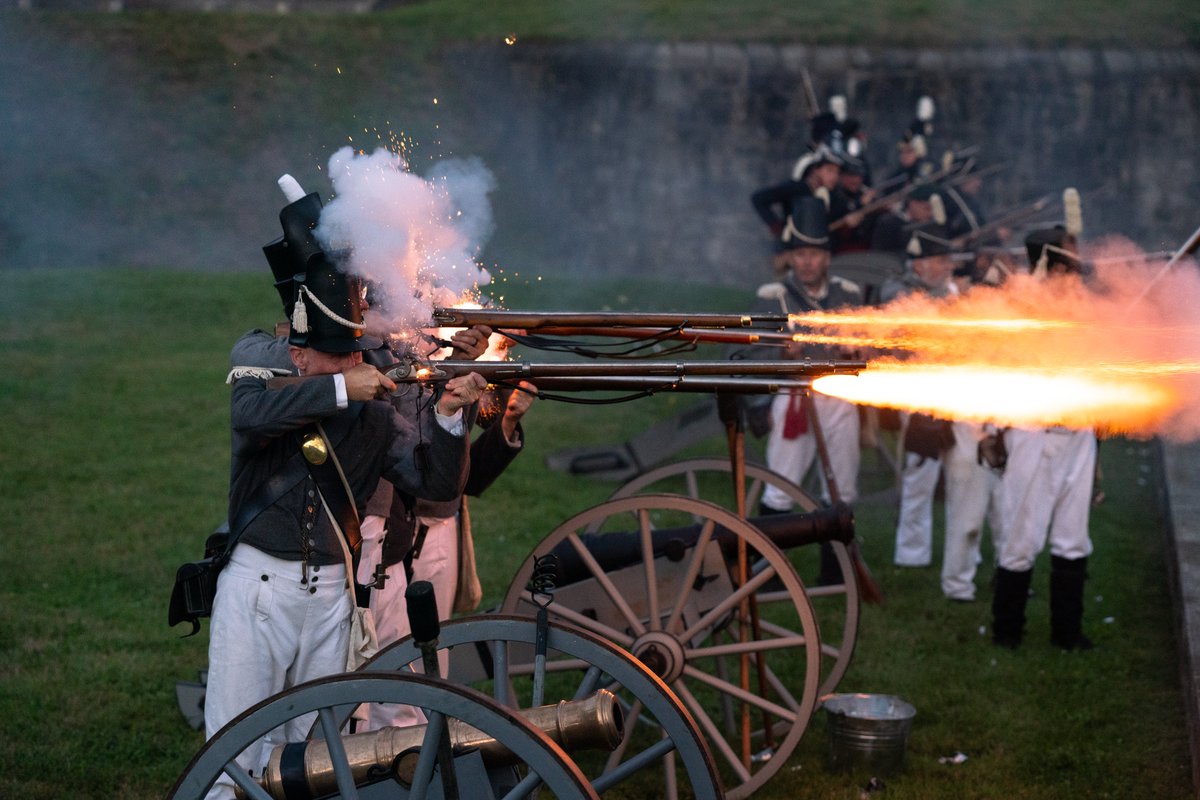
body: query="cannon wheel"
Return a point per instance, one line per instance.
(443, 700)
(688, 637)
(585, 662)
(838, 604)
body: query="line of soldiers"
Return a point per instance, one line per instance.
(923, 229)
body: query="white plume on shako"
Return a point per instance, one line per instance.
(415, 239)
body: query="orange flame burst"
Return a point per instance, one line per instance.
(1010, 396)
(1031, 353)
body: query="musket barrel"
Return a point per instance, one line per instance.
(717, 335)
(687, 383)
(532, 371)
(533, 320)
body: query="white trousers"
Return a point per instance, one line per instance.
(914, 529)
(972, 495)
(792, 458)
(269, 632)
(438, 564)
(1046, 493)
(971, 489)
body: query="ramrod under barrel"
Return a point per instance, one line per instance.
(304, 770)
(620, 549)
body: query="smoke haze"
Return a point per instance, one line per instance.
(415, 239)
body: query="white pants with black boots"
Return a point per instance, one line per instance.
(1046, 495)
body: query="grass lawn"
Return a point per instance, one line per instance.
(113, 463)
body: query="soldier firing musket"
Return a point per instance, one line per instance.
(1019, 214)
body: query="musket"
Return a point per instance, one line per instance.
(493, 371)
(706, 335)
(535, 320)
(891, 199)
(647, 377)
(1018, 214)
(982, 172)
(956, 155)
(1188, 248)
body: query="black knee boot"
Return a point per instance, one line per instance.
(1008, 607)
(1067, 577)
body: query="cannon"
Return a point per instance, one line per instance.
(617, 550)
(685, 615)
(443, 700)
(492, 652)
(306, 770)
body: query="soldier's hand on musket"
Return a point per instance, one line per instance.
(365, 382)
(518, 403)
(460, 392)
(470, 343)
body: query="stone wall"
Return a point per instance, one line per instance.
(610, 159)
(645, 156)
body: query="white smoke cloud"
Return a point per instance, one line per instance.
(416, 239)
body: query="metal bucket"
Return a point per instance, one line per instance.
(867, 732)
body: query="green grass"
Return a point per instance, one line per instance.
(113, 463)
(925, 23)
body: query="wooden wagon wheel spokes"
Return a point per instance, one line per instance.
(836, 605)
(496, 652)
(671, 570)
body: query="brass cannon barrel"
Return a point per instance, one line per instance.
(304, 770)
(619, 549)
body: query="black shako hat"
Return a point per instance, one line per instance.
(1049, 247)
(324, 304)
(806, 226)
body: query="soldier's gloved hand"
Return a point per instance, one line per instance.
(364, 382)
(460, 392)
(470, 343)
